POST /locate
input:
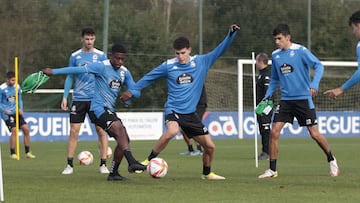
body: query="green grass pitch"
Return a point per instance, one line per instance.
(303, 175)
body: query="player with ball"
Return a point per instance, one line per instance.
(110, 76)
(185, 76)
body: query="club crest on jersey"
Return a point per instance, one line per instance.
(115, 84)
(286, 69)
(192, 64)
(184, 79)
(95, 58)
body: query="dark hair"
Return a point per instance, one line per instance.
(354, 18)
(10, 74)
(87, 31)
(118, 48)
(281, 29)
(180, 43)
(263, 57)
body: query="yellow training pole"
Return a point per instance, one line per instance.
(17, 108)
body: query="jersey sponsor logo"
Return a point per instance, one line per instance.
(115, 84)
(184, 79)
(286, 69)
(11, 98)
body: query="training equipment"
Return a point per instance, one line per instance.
(264, 107)
(34, 81)
(85, 158)
(212, 176)
(269, 174)
(157, 168)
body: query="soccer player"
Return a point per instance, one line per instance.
(354, 22)
(110, 76)
(200, 110)
(185, 76)
(290, 67)
(8, 114)
(262, 84)
(83, 91)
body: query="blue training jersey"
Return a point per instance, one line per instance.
(185, 81)
(355, 78)
(84, 82)
(290, 68)
(7, 99)
(108, 82)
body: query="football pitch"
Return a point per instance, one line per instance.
(302, 166)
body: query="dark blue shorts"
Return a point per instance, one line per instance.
(78, 111)
(11, 122)
(287, 110)
(190, 123)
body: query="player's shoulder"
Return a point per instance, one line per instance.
(3, 86)
(77, 52)
(276, 51)
(296, 46)
(124, 68)
(98, 51)
(171, 61)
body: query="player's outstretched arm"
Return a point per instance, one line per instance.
(234, 27)
(47, 71)
(125, 96)
(333, 93)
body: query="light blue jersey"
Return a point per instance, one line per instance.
(84, 82)
(185, 81)
(355, 78)
(290, 68)
(7, 99)
(108, 82)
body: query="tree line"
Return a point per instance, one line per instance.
(43, 33)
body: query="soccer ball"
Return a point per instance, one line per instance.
(85, 158)
(157, 168)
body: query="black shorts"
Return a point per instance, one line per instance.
(11, 122)
(288, 109)
(190, 123)
(78, 111)
(105, 120)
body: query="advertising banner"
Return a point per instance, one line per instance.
(150, 125)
